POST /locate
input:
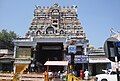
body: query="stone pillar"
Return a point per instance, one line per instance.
(14, 66)
(64, 51)
(34, 52)
(64, 54)
(85, 48)
(33, 60)
(14, 69)
(15, 49)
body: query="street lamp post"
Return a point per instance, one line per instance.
(72, 52)
(87, 54)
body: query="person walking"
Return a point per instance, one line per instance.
(86, 75)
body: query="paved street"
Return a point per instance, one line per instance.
(57, 79)
(33, 77)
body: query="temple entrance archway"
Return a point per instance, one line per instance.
(49, 51)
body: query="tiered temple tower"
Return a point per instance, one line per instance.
(51, 32)
(55, 22)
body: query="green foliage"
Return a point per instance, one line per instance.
(6, 39)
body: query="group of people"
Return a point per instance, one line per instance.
(84, 74)
(63, 75)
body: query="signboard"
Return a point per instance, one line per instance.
(81, 59)
(78, 58)
(51, 48)
(72, 49)
(118, 49)
(118, 44)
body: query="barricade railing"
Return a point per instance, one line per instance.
(31, 77)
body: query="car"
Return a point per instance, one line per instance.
(108, 76)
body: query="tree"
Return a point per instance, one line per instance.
(6, 39)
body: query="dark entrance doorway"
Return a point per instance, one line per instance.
(48, 51)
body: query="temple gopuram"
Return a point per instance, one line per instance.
(52, 30)
(55, 35)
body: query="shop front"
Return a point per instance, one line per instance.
(97, 64)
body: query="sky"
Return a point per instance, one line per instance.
(96, 16)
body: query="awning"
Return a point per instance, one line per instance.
(99, 60)
(56, 63)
